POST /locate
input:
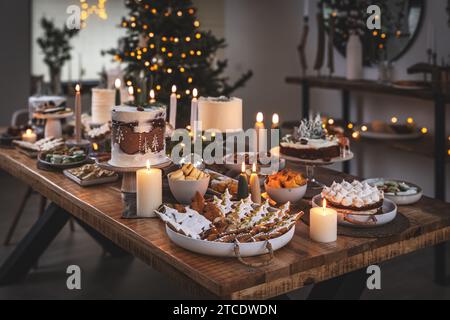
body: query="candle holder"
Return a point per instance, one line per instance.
(128, 187)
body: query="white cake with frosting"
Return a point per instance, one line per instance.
(103, 100)
(138, 136)
(355, 196)
(220, 113)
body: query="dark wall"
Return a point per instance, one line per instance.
(15, 57)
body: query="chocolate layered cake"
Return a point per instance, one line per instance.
(354, 198)
(138, 136)
(310, 141)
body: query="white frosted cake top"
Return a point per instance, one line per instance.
(355, 194)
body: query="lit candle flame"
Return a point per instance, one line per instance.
(195, 93)
(77, 88)
(174, 89)
(130, 90)
(118, 83)
(148, 164)
(152, 94)
(95, 146)
(28, 131)
(324, 204)
(243, 167)
(275, 119)
(254, 168)
(259, 117)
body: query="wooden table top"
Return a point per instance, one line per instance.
(301, 262)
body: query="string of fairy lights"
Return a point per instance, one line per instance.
(157, 52)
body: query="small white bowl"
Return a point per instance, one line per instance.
(185, 190)
(283, 195)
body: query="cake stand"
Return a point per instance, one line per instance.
(53, 126)
(310, 165)
(128, 187)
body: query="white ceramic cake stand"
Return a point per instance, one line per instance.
(128, 187)
(53, 123)
(310, 165)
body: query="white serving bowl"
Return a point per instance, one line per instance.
(283, 195)
(185, 190)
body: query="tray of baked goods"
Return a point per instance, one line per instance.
(90, 175)
(226, 228)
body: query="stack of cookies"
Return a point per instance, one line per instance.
(188, 172)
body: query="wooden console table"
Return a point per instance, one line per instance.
(439, 152)
(302, 262)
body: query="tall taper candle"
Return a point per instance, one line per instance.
(173, 107)
(261, 134)
(242, 192)
(152, 96)
(255, 186)
(130, 94)
(78, 113)
(117, 85)
(148, 191)
(194, 112)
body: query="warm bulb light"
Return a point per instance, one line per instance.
(364, 128)
(275, 119)
(331, 121)
(118, 83)
(424, 130)
(410, 120)
(259, 117)
(350, 126)
(355, 135)
(394, 119)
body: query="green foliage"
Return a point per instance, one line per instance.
(165, 45)
(55, 44)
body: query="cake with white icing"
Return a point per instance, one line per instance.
(355, 197)
(310, 141)
(220, 113)
(138, 136)
(103, 100)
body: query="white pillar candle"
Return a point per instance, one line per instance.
(78, 113)
(173, 107)
(148, 191)
(194, 111)
(152, 96)
(29, 136)
(323, 224)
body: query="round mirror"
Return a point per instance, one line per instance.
(400, 24)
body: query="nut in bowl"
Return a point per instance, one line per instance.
(186, 182)
(286, 186)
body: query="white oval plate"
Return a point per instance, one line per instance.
(219, 249)
(363, 220)
(399, 199)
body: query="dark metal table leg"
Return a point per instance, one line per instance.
(346, 119)
(105, 243)
(346, 287)
(440, 252)
(30, 248)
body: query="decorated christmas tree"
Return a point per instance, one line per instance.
(165, 46)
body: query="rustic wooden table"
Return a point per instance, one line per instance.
(336, 269)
